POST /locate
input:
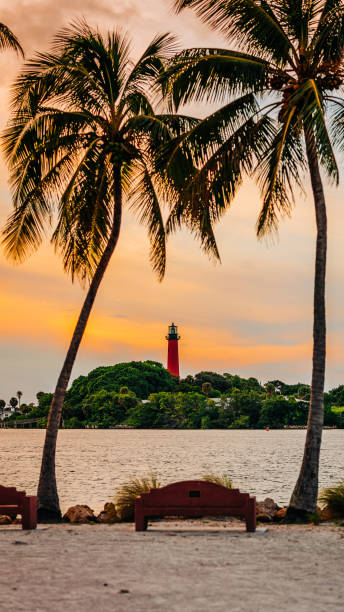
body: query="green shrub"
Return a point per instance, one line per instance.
(125, 498)
(333, 499)
(220, 479)
(314, 518)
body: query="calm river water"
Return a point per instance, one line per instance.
(91, 464)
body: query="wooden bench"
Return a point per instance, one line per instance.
(13, 502)
(194, 498)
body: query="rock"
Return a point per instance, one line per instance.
(80, 514)
(266, 509)
(5, 520)
(280, 515)
(108, 515)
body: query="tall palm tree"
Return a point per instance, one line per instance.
(281, 91)
(83, 140)
(9, 41)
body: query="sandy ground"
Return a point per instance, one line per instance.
(176, 566)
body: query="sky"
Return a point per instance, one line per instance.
(250, 315)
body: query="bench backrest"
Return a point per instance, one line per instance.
(197, 493)
(11, 497)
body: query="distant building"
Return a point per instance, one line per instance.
(6, 412)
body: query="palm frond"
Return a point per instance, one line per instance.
(314, 120)
(85, 216)
(298, 20)
(151, 64)
(8, 40)
(278, 172)
(213, 75)
(327, 43)
(145, 202)
(252, 25)
(205, 136)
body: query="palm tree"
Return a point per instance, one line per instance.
(9, 41)
(282, 112)
(13, 403)
(270, 389)
(84, 136)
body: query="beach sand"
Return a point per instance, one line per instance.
(189, 566)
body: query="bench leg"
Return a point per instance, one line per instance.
(251, 515)
(29, 518)
(140, 521)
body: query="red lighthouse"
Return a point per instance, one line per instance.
(172, 355)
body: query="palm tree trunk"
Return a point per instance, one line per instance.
(304, 498)
(48, 500)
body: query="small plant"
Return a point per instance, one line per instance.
(333, 500)
(314, 518)
(221, 479)
(125, 498)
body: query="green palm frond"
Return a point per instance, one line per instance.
(213, 75)
(151, 64)
(252, 25)
(310, 100)
(327, 44)
(278, 172)
(85, 217)
(145, 202)
(298, 19)
(205, 136)
(198, 220)
(337, 124)
(214, 184)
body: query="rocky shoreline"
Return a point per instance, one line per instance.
(267, 511)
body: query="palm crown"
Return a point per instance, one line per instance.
(283, 82)
(81, 122)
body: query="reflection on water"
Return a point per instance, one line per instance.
(91, 464)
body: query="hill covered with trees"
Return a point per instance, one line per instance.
(145, 395)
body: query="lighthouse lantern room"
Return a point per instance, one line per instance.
(172, 354)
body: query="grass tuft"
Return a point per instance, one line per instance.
(125, 497)
(220, 479)
(332, 499)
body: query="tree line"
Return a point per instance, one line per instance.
(145, 395)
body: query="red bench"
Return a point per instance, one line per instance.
(194, 498)
(13, 502)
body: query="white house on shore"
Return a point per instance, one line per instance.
(6, 412)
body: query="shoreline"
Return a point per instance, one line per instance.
(131, 428)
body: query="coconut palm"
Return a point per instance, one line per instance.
(9, 41)
(82, 141)
(284, 80)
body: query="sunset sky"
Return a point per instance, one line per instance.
(251, 315)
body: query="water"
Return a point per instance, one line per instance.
(91, 464)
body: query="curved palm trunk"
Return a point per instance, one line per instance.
(48, 500)
(305, 494)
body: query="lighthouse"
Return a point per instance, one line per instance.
(172, 354)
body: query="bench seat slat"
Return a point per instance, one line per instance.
(11, 507)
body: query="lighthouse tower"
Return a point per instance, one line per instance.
(172, 355)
